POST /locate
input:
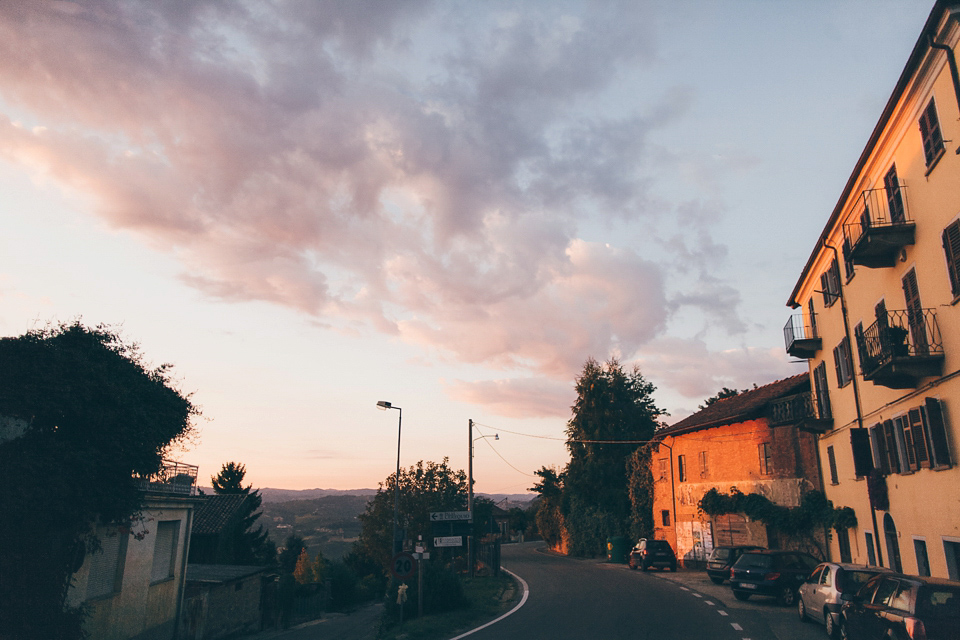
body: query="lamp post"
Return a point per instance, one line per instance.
(383, 405)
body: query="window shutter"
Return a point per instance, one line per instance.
(908, 442)
(837, 363)
(890, 440)
(164, 549)
(813, 317)
(907, 462)
(919, 432)
(825, 289)
(951, 247)
(938, 433)
(862, 456)
(832, 460)
(879, 449)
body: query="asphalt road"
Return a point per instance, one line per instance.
(582, 599)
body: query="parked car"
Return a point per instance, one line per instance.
(819, 597)
(722, 558)
(893, 605)
(771, 573)
(653, 553)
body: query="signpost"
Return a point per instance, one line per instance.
(450, 516)
(402, 566)
(448, 541)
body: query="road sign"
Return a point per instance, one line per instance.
(448, 541)
(446, 516)
(402, 566)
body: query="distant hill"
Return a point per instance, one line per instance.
(282, 495)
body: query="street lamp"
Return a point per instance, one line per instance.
(383, 405)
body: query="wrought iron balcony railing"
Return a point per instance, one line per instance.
(800, 336)
(883, 229)
(174, 477)
(805, 410)
(901, 347)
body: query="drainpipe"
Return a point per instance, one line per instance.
(952, 61)
(856, 389)
(183, 572)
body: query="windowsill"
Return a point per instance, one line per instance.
(106, 596)
(933, 164)
(161, 580)
(955, 300)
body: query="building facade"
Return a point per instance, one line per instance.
(752, 442)
(880, 324)
(133, 586)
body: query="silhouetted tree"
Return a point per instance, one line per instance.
(95, 415)
(230, 479)
(248, 542)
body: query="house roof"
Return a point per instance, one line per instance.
(942, 8)
(739, 408)
(220, 573)
(215, 512)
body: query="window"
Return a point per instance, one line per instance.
(871, 554)
(923, 562)
(665, 517)
(704, 470)
(106, 566)
(861, 343)
(813, 315)
(766, 458)
(862, 456)
(951, 549)
(843, 541)
(664, 466)
(881, 460)
(682, 468)
(843, 362)
(832, 458)
(891, 184)
(830, 284)
(165, 550)
(820, 389)
(915, 318)
(848, 269)
(930, 131)
(890, 444)
(951, 247)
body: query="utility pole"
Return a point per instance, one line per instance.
(470, 492)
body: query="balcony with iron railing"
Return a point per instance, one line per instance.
(901, 347)
(800, 336)
(804, 410)
(883, 229)
(173, 478)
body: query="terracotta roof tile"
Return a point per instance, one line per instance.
(744, 406)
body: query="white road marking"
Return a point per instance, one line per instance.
(523, 601)
(736, 627)
(697, 595)
(722, 612)
(708, 602)
(685, 589)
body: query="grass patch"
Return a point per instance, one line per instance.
(489, 597)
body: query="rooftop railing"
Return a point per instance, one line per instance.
(173, 478)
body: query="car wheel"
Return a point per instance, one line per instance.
(741, 595)
(633, 567)
(716, 580)
(643, 566)
(673, 567)
(787, 596)
(832, 631)
(843, 629)
(802, 610)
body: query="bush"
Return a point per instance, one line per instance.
(344, 591)
(442, 592)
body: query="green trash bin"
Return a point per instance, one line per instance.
(617, 549)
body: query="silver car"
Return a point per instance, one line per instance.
(819, 596)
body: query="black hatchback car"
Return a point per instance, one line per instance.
(893, 605)
(653, 553)
(722, 558)
(771, 573)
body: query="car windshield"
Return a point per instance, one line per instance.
(939, 602)
(851, 581)
(658, 545)
(720, 554)
(754, 561)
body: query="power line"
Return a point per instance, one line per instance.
(487, 440)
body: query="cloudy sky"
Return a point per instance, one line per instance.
(309, 206)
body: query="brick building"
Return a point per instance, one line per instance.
(757, 442)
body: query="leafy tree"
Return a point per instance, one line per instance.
(549, 516)
(96, 416)
(302, 573)
(230, 479)
(424, 487)
(722, 395)
(288, 557)
(245, 544)
(613, 409)
(517, 519)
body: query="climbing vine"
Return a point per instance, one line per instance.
(814, 512)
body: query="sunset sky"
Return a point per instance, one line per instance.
(310, 206)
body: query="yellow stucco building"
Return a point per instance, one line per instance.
(880, 323)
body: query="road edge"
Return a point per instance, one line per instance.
(523, 601)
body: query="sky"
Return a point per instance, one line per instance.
(307, 207)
